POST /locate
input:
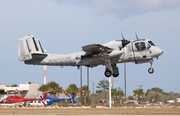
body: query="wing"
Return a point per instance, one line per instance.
(96, 50)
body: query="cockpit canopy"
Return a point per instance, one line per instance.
(143, 44)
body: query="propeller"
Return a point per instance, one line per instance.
(124, 41)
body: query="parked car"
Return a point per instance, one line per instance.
(159, 103)
(145, 103)
(171, 101)
(131, 102)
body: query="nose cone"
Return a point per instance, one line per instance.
(159, 52)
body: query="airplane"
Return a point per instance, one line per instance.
(11, 101)
(50, 100)
(116, 51)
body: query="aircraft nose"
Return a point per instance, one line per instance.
(160, 52)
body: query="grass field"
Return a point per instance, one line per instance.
(89, 111)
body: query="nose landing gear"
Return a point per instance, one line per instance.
(151, 70)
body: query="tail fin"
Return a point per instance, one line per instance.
(28, 46)
(73, 98)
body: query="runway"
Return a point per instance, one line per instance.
(89, 111)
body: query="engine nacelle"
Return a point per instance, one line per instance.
(117, 44)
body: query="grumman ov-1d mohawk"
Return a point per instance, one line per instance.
(118, 51)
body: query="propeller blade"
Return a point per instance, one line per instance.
(122, 36)
(136, 36)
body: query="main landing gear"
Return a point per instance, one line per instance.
(111, 69)
(151, 70)
(107, 73)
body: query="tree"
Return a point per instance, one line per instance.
(130, 97)
(14, 85)
(103, 85)
(139, 94)
(71, 89)
(85, 92)
(52, 88)
(158, 95)
(117, 94)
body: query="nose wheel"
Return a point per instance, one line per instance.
(151, 70)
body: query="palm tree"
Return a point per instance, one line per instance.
(117, 94)
(85, 92)
(72, 88)
(139, 93)
(52, 88)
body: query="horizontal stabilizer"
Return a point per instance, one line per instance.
(38, 55)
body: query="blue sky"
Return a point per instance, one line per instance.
(64, 26)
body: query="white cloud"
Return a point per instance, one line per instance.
(122, 8)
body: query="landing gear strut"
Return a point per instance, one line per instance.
(111, 69)
(151, 70)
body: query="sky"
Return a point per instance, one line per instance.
(64, 26)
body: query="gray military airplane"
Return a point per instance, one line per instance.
(117, 51)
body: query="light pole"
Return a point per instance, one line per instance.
(88, 85)
(110, 92)
(44, 74)
(93, 93)
(125, 80)
(45, 69)
(81, 84)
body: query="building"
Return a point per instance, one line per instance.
(26, 90)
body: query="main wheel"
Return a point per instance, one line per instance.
(107, 73)
(151, 70)
(115, 75)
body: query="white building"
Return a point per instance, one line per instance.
(25, 90)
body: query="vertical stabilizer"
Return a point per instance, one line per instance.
(73, 98)
(27, 47)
